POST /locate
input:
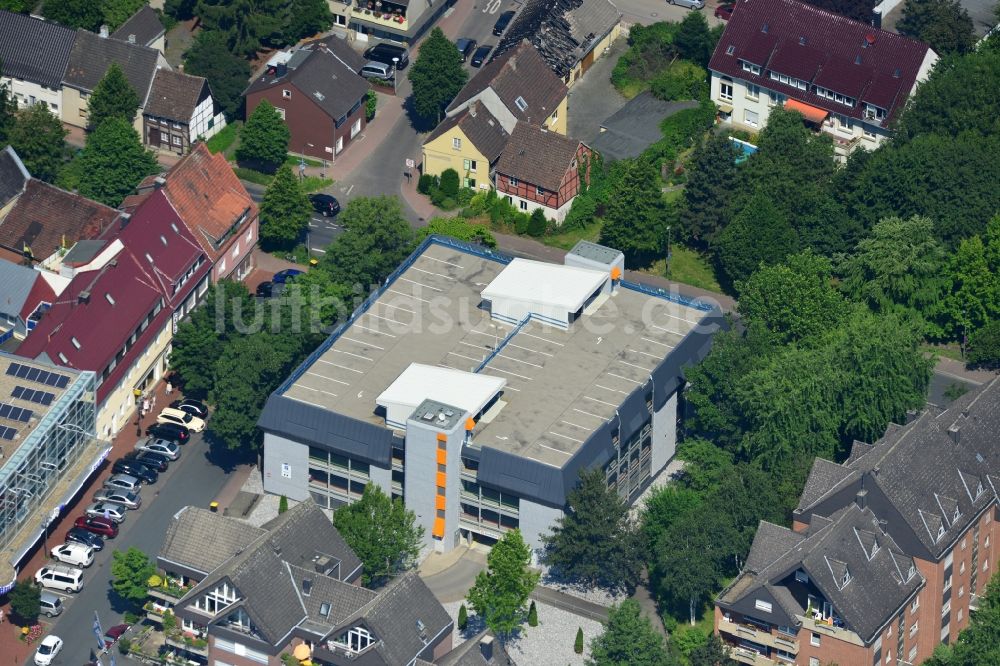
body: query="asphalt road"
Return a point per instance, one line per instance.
(192, 480)
(646, 12)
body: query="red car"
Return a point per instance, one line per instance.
(114, 633)
(724, 12)
(98, 525)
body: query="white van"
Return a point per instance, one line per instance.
(74, 554)
(60, 577)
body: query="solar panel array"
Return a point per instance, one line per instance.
(32, 395)
(15, 413)
(7, 433)
(37, 375)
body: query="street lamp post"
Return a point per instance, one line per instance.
(138, 412)
(395, 69)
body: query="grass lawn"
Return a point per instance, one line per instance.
(293, 161)
(225, 141)
(687, 266)
(309, 183)
(630, 89)
(569, 238)
(952, 350)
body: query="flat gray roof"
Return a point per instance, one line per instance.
(561, 385)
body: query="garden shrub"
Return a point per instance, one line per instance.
(449, 183)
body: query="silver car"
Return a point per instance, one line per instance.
(123, 482)
(690, 4)
(115, 512)
(128, 498)
(164, 447)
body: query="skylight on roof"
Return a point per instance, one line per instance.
(110, 298)
(174, 227)
(76, 343)
(731, 49)
(163, 239)
(521, 104)
(149, 257)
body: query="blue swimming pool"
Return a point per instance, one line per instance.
(746, 149)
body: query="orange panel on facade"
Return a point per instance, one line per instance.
(439, 502)
(442, 457)
(438, 530)
(441, 477)
(442, 437)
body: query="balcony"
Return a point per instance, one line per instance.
(198, 646)
(843, 145)
(381, 13)
(821, 626)
(745, 656)
(763, 637)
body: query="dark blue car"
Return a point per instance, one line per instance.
(282, 276)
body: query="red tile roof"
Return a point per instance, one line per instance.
(825, 49)
(45, 216)
(101, 326)
(538, 157)
(208, 196)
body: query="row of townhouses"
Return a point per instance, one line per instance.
(46, 63)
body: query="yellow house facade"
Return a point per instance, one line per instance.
(470, 143)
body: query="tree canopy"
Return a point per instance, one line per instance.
(712, 178)
(382, 532)
(635, 219)
(116, 12)
(264, 139)
(113, 97)
(500, 593)
(40, 141)
(979, 643)
(693, 39)
(113, 162)
(25, 600)
(628, 639)
(130, 571)
(284, 212)
(86, 14)
(375, 241)
(944, 24)
(436, 76)
(227, 74)
(595, 542)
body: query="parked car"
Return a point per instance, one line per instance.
(86, 537)
(325, 204)
(148, 459)
(171, 431)
(50, 604)
(690, 4)
(123, 482)
(182, 418)
(141, 471)
(281, 277)
(115, 512)
(112, 635)
(77, 554)
(164, 447)
(481, 54)
(378, 70)
(724, 12)
(384, 53)
(465, 47)
(60, 577)
(503, 22)
(47, 650)
(128, 499)
(106, 528)
(265, 289)
(192, 407)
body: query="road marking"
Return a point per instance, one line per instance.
(573, 439)
(492, 7)
(600, 418)
(316, 249)
(324, 377)
(348, 192)
(557, 450)
(608, 388)
(373, 330)
(624, 378)
(360, 342)
(657, 342)
(574, 425)
(588, 397)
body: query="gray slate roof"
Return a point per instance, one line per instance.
(92, 55)
(13, 175)
(340, 48)
(538, 157)
(143, 27)
(480, 127)
(175, 95)
(926, 472)
(469, 653)
(635, 126)
(323, 77)
(34, 50)
(17, 282)
(880, 583)
(202, 540)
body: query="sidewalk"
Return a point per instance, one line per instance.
(956, 369)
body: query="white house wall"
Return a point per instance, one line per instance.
(203, 117)
(27, 93)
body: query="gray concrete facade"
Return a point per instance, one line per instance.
(536, 520)
(286, 467)
(664, 434)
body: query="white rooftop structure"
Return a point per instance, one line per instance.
(466, 390)
(553, 293)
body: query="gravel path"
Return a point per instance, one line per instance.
(549, 644)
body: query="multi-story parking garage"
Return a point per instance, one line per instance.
(49, 450)
(476, 387)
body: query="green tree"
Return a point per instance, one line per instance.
(693, 40)
(628, 639)
(979, 643)
(84, 14)
(501, 590)
(578, 642)
(8, 110)
(383, 533)
(898, 267)
(116, 12)
(282, 505)
(40, 141)
(248, 25)
(284, 212)
(537, 224)
(662, 508)
(18, 6)
(305, 18)
(463, 617)
(759, 234)
(595, 541)
(975, 289)
(204, 335)
(460, 228)
(635, 220)
(113, 97)
(371, 105)
(532, 615)
(131, 570)
(944, 24)
(712, 177)
(376, 239)
(182, 10)
(227, 74)
(984, 346)
(713, 652)
(113, 162)
(449, 183)
(25, 601)
(436, 76)
(264, 139)
(793, 300)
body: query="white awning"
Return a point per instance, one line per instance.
(544, 288)
(466, 390)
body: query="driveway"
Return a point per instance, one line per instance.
(646, 12)
(593, 98)
(192, 480)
